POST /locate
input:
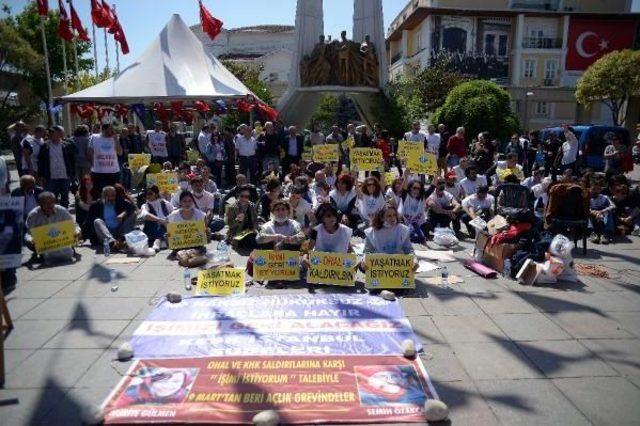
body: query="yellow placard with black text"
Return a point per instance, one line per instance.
(407, 147)
(167, 182)
(220, 282)
(276, 265)
(137, 161)
(389, 271)
(422, 163)
(389, 177)
(325, 153)
(186, 234)
(366, 159)
(332, 268)
(55, 236)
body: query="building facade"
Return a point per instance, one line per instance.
(536, 49)
(269, 46)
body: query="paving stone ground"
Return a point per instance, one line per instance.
(497, 352)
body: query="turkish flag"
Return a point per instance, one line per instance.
(591, 39)
(211, 25)
(43, 7)
(64, 32)
(77, 24)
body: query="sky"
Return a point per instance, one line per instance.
(143, 20)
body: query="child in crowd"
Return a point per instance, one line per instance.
(601, 220)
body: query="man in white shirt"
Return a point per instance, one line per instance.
(472, 181)
(569, 149)
(246, 146)
(444, 210)
(103, 151)
(157, 144)
(479, 204)
(415, 135)
(433, 140)
(204, 139)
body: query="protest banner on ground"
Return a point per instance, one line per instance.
(407, 147)
(186, 234)
(276, 265)
(366, 159)
(220, 282)
(326, 153)
(332, 268)
(288, 324)
(422, 163)
(167, 182)
(137, 161)
(55, 236)
(11, 222)
(389, 271)
(303, 389)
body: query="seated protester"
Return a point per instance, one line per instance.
(627, 213)
(319, 178)
(110, 218)
(475, 205)
(301, 209)
(461, 169)
(205, 202)
(536, 177)
(155, 213)
(185, 168)
(241, 182)
(601, 217)
(303, 182)
(394, 192)
(209, 184)
(321, 192)
(187, 212)
(453, 187)
(272, 173)
(344, 198)
(199, 167)
(281, 232)
(387, 235)
(85, 197)
(330, 175)
(330, 235)
(273, 193)
(294, 172)
(370, 200)
(242, 219)
(30, 191)
(413, 209)
(122, 193)
(167, 166)
(472, 180)
(541, 197)
(443, 208)
(46, 213)
(183, 185)
(504, 168)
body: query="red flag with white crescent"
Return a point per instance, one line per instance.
(591, 39)
(77, 24)
(211, 25)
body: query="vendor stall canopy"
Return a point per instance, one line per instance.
(175, 66)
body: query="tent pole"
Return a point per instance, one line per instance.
(106, 48)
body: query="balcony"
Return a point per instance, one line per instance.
(541, 43)
(396, 58)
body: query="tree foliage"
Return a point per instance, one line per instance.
(391, 113)
(332, 110)
(478, 105)
(612, 79)
(249, 75)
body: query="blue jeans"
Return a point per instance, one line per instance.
(60, 188)
(154, 231)
(605, 225)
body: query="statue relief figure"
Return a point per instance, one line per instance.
(370, 63)
(315, 69)
(349, 62)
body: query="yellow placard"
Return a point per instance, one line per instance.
(325, 153)
(276, 265)
(55, 236)
(503, 173)
(366, 159)
(407, 147)
(332, 268)
(422, 163)
(193, 156)
(137, 161)
(167, 182)
(307, 156)
(389, 271)
(220, 282)
(349, 143)
(186, 234)
(389, 177)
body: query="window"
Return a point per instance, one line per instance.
(529, 69)
(502, 45)
(550, 68)
(542, 109)
(490, 44)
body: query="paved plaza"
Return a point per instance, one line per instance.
(497, 352)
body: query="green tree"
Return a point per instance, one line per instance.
(391, 112)
(478, 105)
(326, 113)
(612, 79)
(250, 76)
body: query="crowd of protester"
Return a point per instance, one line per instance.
(254, 187)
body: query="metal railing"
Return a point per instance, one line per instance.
(395, 58)
(541, 43)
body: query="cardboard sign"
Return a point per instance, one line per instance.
(276, 265)
(325, 153)
(137, 161)
(422, 163)
(407, 147)
(56, 236)
(332, 268)
(389, 177)
(366, 159)
(504, 172)
(304, 389)
(11, 221)
(349, 143)
(186, 234)
(167, 182)
(307, 156)
(220, 282)
(389, 271)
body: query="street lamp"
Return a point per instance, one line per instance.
(526, 110)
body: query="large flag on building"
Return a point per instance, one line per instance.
(77, 24)
(591, 39)
(211, 25)
(63, 26)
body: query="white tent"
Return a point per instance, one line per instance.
(174, 67)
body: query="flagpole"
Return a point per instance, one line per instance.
(46, 66)
(106, 48)
(75, 49)
(64, 82)
(117, 52)
(95, 50)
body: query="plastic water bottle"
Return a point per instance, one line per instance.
(444, 276)
(222, 252)
(186, 275)
(106, 248)
(506, 270)
(113, 279)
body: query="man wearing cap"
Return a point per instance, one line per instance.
(19, 132)
(103, 152)
(57, 165)
(157, 144)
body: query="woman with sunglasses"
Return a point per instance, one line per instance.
(370, 200)
(413, 209)
(395, 191)
(344, 198)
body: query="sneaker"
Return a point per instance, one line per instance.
(606, 239)
(595, 239)
(636, 231)
(157, 245)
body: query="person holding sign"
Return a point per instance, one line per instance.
(109, 219)
(242, 219)
(387, 235)
(370, 200)
(187, 212)
(330, 235)
(104, 149)
(157, 144)
(155, 213)
(47, 213)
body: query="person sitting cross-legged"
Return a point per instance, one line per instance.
(476, 205)
(155, 213)
(444, 210)
(110, 218)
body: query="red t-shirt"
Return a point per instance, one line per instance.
(457, 146)
(383, 145)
